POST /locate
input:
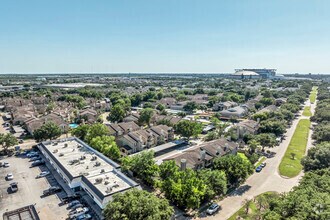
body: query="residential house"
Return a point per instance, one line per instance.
(119, 129)
(167, 102)
(224, 105)
(270, 108)
(35, 123)
(89, 115)
(235, 112)
(202, 156)
(132, 117)
(247, 127)
(139, 140)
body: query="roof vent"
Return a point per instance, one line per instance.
(102, 171)
(55, 151)
(61, 154)
(65, 145)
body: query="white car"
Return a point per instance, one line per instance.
(10, 176)
(77, 212)
(43, 174)
(5, 164)
(213, 209)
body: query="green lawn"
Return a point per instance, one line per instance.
(312, 96)
(290, 167)
(307, 111)
(252, 208)
(242, 155)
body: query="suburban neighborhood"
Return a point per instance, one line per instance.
(164, 110)
(95, 146)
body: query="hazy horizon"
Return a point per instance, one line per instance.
(151, 36)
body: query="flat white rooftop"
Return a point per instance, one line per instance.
(79, 160)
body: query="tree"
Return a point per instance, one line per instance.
(96, 130)
(146, 115)
(236, 168)
(160, 107)
(272, 126)
(190, 106)
(253, 145)
(185, 189)
(7, 140)
(137, 205)
(107, 146)
(246, 204)
(306, 201)
(266, 140)
(81, 131)
(293, 155)
(215, 180)
(136, 99)
(49, 130)
(318, 157)
(117, 113)
(188, 128)
(143, 166)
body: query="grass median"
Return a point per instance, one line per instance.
(290, 165)
(307, 111)
(312, 96)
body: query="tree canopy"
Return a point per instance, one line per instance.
(49, 130)
(142, 165)
(188, 128)
(107, 146)
(7, 140)
(236, 168)
(117, 113)
(137, 205)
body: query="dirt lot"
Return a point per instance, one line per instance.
(29, 190)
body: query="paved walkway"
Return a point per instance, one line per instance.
(267, 180)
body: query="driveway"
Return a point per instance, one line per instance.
(267, 180)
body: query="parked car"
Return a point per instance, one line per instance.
(14, 187)
(37, 163)
(77, 206)
(213, 209)
(73, 203)
(5, 164)
(9, 176)
(70, 198)
(263, 165)
(52, 190)
(32, 154)
(84, 216)
(79, 211)
(258, 169)
(43, 174)
(35, 158)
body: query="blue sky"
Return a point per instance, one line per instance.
(164, 35)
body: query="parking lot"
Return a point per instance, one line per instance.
(30, 189)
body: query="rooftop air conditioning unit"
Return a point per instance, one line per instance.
(102, 171)
(98, 180)
(65, 145)
(55, 151)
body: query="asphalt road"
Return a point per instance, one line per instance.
(267, 180)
